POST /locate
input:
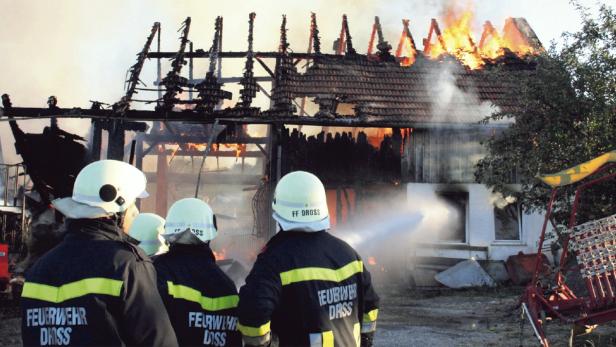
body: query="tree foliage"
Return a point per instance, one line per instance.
(565, 115)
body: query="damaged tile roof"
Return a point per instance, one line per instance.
(427, 91)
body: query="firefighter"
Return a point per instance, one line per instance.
(200, 299)
(307, 287)
(96, 288)
(147, 229)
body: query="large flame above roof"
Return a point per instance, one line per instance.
(458, 39)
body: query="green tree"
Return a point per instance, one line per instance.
(565, 114)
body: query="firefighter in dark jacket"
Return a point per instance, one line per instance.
(200, 299)
(96, 288)
(307, 287)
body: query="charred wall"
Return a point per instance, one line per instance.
(342, 159)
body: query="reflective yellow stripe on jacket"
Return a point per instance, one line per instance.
(96, 285)
(357, 334)
(368, 324)
(179, 291)
(371, 316)
(321, 274)
(322, 339)
(328, 339)
(254, 331)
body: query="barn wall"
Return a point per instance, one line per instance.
(439, 155)
(480, 226)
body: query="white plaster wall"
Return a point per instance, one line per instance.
(480, 225)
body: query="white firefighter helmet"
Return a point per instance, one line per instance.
(300, 203)
(103, 188)
(190, 221)
(147, 228)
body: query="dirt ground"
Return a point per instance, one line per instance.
(10, 324)
(475, 317)
(478, 317)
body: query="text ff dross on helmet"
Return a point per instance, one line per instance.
(300, 203)
(188, 219)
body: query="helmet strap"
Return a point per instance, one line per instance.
(118, 218)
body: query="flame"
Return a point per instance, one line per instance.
(492, 46)
(371, 261)
(515, 41)
(457, 39)
(196, 146)
(239, 148)
(405, 44)
(221, 255)
(412, 55)
(377, 135)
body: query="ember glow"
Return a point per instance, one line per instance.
(406, 50)
(457, 38)
(220, 255)
(371, 261)
(376, 136)
(239, 148)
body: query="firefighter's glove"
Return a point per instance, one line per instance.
(366, 339)
(258, 341)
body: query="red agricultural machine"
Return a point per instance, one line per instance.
(594, 245)
(12, 219)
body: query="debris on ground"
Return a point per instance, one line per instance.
(465, 274)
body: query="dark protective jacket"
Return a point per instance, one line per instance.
(94, 288)
(200, 299)
(309, 289)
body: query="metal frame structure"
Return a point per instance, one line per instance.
(596, 250)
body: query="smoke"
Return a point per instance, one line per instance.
(500, 201)
(387, 234)
(60, 48)
(80, 51)
(451, 103)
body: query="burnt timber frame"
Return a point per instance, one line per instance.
(120, 117)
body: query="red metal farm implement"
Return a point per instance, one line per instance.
(594, 246)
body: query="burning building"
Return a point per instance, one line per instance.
(372, 125)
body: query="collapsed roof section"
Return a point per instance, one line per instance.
(446, 82)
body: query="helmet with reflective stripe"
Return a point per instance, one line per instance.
(189, 218)
(147, 229)
(300, 202)
(102, 188)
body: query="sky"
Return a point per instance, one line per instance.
(80, 50)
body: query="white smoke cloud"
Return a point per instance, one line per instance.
(389, 232)
(500, 201)
(450, 103)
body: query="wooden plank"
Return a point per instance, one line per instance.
(208, 178)
(202, 118)
(199, 53)
(202, 139)
(230, 153)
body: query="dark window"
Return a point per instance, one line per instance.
(459, 202)
(507, 222)
(446, 155)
